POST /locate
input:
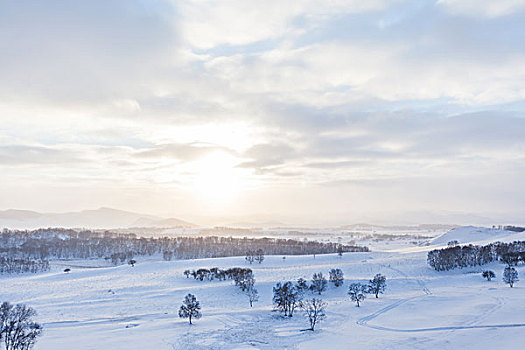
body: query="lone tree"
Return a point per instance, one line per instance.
(488, 275)
(132, 262)
(285, 298)
(190, 308)
(340, 250)
(250, 256)
(357, 292)
(314, 310)
(510, 276)
(259, 256)
(253, 295)
(377, 285)
(17, 328)
(318, 283)
(68, 270)
(337, 277)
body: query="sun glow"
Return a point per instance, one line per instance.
(217, 180)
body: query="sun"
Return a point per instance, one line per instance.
(216, 178)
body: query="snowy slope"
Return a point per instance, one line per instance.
(477, 235)
(136, 307)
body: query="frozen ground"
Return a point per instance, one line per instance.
(100, 307)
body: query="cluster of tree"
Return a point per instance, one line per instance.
(287, 295)
(473, 255)
(510, 275)
(252, 256)
(242, 277)
(514, 228)
(21, 265)
(18, 331)
(70, 244)
(358, 291)
(120, 258)
(234, 273)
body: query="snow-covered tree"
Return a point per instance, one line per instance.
(253, 295)
(285, 298)
(337, 277)
(318, 283)
(302, 286)
(247, 284)
(190, 308)
(17, 328)
(377, 285)
(340, 250)
(259, 256)
(250, 256)
(510, 276)
(357, 292)
(314, 310)
(488, 275)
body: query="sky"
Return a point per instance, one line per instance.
(304, 111)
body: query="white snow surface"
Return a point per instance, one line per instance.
(124, 307)
(477, 235)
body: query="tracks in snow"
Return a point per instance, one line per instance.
(364, 321)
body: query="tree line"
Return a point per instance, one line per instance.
(473, 255)
(10, 265)
(58, 243)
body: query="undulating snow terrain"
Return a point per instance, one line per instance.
(100, 307)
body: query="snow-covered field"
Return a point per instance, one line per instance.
(124, 307)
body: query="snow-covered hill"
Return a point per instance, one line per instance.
(477, 235)
(101, 307)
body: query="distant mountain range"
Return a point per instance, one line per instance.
(107, 218)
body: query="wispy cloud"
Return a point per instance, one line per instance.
(303, 98)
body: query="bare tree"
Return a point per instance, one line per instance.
(318, 283)
(336, 277)
(190, 308)
(285, 298)
(314, 310)
(510, 276)
(253, 295)
(357, 292)
(377, 285)
(17, 328)
(250, 256)
(259, 256)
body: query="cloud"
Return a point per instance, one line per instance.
(182, 152)
(207, 24)
(15, 155)
(483, 8)
(125, 97)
